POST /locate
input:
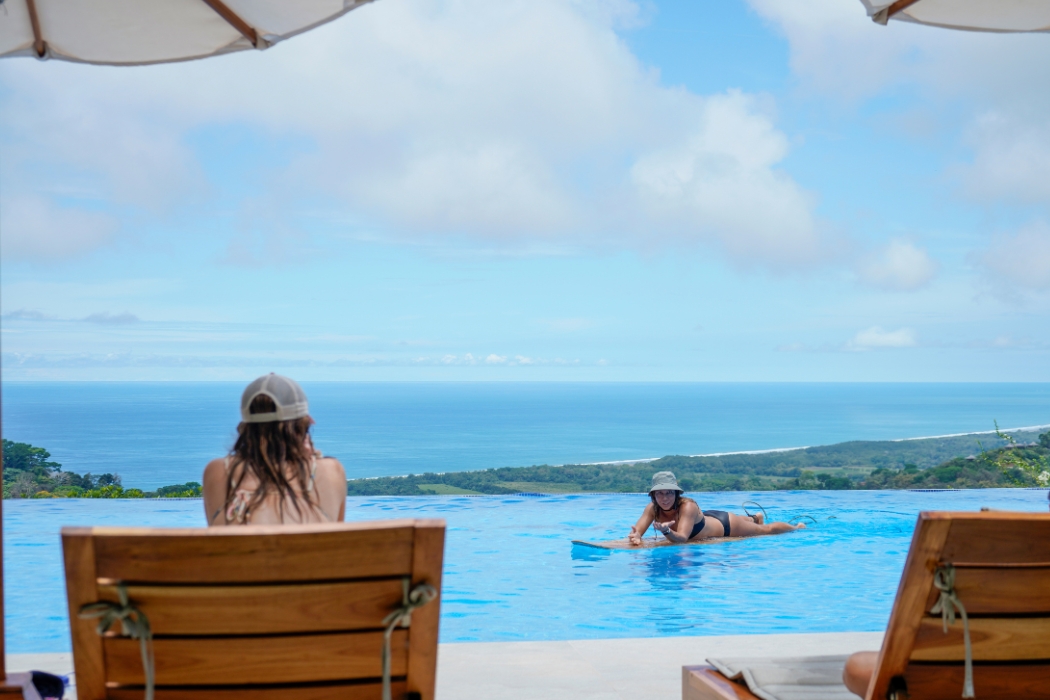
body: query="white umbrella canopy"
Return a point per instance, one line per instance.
(138, 32)
(971, 15)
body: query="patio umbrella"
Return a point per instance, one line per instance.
(970, 15)
(137, 32)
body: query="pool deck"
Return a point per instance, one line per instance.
(586, 669)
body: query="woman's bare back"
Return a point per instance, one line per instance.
(325, 494)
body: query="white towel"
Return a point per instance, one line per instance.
(800, 678)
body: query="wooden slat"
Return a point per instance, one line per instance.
(1001, 591)
(254, 553)
(357, 691)
(706, 683)
(1015, 539)
(257, 660)
(991, 638)
(269, 609)
(926, 546)
(79, 555)
(427, 558)
(1005, 682)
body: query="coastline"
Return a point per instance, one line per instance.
(644, 460)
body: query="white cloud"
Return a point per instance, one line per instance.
(26, 315)
(898, 266)
(721, 182)
(1019, 261)
(875, 338)
(506, 121)
(837, 49)
(106, 318)
(1011, 159)
(495, 359)
(35, 228)
(987, 83)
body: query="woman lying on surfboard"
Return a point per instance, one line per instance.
(680, 519)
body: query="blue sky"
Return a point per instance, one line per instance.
(538, 190)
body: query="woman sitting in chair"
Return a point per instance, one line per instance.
(274, 475)
(680, 519)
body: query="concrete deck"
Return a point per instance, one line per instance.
(591, 669)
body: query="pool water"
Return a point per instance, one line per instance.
(511, 572)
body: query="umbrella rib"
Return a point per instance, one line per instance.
(39, 45)
(233, 18)
(899, 6)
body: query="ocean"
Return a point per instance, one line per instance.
(154, 434)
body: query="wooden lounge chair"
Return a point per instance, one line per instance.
(1001, 563)
(292, 612)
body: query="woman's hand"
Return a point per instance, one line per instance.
(662, 527)
(634, 538)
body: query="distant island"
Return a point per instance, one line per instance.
(978, 460)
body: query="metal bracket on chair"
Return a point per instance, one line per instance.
(898, 689)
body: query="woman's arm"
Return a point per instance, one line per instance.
(331, 483)
(687, 516)
(214, 491)
(639, 528)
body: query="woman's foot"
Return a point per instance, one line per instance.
(759, 518)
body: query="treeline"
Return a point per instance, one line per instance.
(1000, 460)
(30, 473)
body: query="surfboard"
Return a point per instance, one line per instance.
(652, 542)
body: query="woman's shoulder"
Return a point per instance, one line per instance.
(330, 468)
(215, 469)
(689, 503)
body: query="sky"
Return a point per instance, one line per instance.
(538, 190)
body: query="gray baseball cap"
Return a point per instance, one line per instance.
(664, 481)
(286, 393)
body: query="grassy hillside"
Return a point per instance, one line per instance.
(972, 461)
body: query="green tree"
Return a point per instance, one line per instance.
(1016, 461)
(23, 457)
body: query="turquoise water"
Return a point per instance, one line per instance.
(154, 434)
(511, 572)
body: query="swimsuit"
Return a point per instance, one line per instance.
(237, 511)
(698, 527)
(719, 515)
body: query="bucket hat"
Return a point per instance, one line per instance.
(664, 481)
(286, 394)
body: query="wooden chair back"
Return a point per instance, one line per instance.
(290, 612)
(1002, 578)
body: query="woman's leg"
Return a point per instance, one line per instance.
(741, 526)
(857, 673)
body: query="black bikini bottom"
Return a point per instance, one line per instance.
(719, 515)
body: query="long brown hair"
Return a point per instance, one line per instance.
(270, 451)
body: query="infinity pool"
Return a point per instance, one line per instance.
(511, 572)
